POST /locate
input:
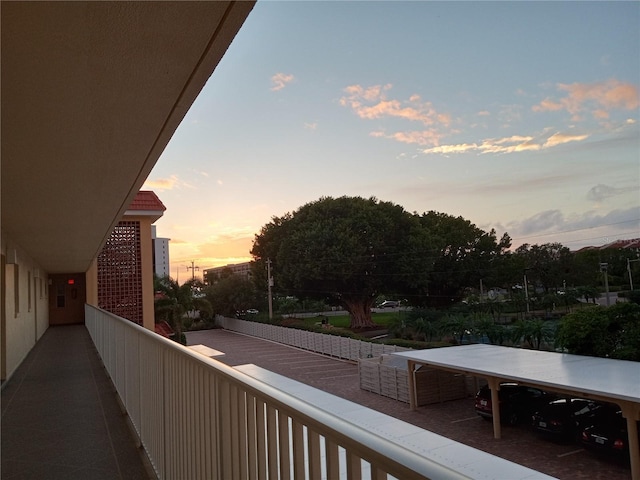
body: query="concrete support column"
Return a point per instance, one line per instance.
(494, 385)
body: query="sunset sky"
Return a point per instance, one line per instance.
(518, 116)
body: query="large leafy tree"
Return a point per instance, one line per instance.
(549, 265)
(346, 250)
(465, 255)
(231, 294)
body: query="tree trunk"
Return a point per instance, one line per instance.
(359, 312)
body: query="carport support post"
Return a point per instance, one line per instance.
(413, 400)
(631, 411)
(494, 385)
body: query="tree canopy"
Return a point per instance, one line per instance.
(231, 294)
(465, 255)
(602, 331)
(346, 250)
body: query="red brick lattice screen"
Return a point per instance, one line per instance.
(120, 273)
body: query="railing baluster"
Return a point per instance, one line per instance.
(298, 450)
(261, 440)
(243, 440)
(354, 467)
(273, 454)
(252, 434)
(224, 439)
(333, 459)
(313, 442)
(283, 446)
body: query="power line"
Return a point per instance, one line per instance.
(578, 230)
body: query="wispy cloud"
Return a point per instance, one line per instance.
(162, 183)
(544, 226)
(601, 192)
(512, 144)
(310, 126)
(424, 137)
(372, 103)
(560, 138)
(280, 80)
(597, 99)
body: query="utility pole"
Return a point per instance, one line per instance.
(629, 270)
(270, 284)
(603, 269)
(526, 289)
(193, 270)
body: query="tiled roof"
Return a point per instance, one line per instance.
(631, 243)
(164, 329)
(147, 200)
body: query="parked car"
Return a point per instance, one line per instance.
(389, 304)
(517, 402)
(562, 419)
(608, 433)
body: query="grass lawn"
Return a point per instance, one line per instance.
(342, 321)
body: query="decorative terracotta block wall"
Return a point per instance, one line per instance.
(120, 272)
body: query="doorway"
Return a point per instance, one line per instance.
(67, 296)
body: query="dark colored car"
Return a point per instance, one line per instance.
(608, 433)
(389, 304)
(561, 419)
(517, 402)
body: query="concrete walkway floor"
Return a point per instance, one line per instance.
(61, 418)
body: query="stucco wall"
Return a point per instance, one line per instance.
(26, 314)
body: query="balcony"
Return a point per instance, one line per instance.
(198, 418)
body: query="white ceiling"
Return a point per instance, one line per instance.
(91, 95)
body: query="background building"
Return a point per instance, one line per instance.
(212, 274)
(160, 247)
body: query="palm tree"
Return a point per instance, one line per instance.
(173, 301)
(534, 332)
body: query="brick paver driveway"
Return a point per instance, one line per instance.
(456, 420)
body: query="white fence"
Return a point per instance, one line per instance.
(200, 419)
(378, 372)
(333, 345)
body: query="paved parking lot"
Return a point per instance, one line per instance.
(456, 420)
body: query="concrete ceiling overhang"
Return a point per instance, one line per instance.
(91, 94)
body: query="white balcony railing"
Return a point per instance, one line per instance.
(198, 418)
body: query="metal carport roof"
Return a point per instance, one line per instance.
(604, 379)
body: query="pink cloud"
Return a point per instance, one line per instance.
(162, 183)
(559, 139)
(372, 103)
(597, 98)
(280, 80)
(512, 144)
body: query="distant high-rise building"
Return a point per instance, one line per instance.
(213, 274)
(160, 254)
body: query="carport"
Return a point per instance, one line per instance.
(602, 379)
